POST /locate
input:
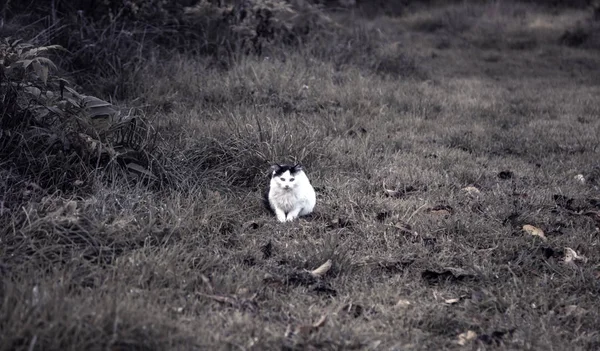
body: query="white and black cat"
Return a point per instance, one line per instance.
(290, 193)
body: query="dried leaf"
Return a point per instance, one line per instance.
(574, 310)
(441, 210)
(534, 231)
(404, 227)
(571, 256)
(391, 193)
(304, 330)
(324, 268)
(452, 301)
(206, 281)
(35, 295)
(233, 301)
(136, 168)
(471, 190)
(465, 337)
(401, 191)
(403, 303)
(241, 291)
(321, 322)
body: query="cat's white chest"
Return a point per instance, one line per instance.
(286, 200)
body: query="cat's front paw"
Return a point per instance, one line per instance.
(291, 218)
(281, 217)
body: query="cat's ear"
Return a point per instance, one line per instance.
(275, 167)
(297, 167)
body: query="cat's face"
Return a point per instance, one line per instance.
(286, 177)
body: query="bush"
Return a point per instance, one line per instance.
(111, 40)
(55, 136)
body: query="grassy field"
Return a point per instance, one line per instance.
(431, 140)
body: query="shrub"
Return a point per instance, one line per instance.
(110, 40)
(55, 136)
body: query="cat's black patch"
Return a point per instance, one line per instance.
(266, 202)
(280, 169)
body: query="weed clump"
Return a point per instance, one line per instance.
(53, 136)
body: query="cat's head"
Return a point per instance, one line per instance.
(286, 177)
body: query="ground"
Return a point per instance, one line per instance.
(458, 126)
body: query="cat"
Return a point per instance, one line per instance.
(290, 193)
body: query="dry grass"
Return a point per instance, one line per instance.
(429, 103)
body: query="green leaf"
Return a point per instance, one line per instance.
(25, 63)
(14, 43)
(56, 110)
(92, 102)
(72, 101)
(33, 91)
(74, 93)
(36, 51)
(101, 111)
(47, 62)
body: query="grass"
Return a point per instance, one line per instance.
(423, 105)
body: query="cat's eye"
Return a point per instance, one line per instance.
(291, 179)
(282, 178)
